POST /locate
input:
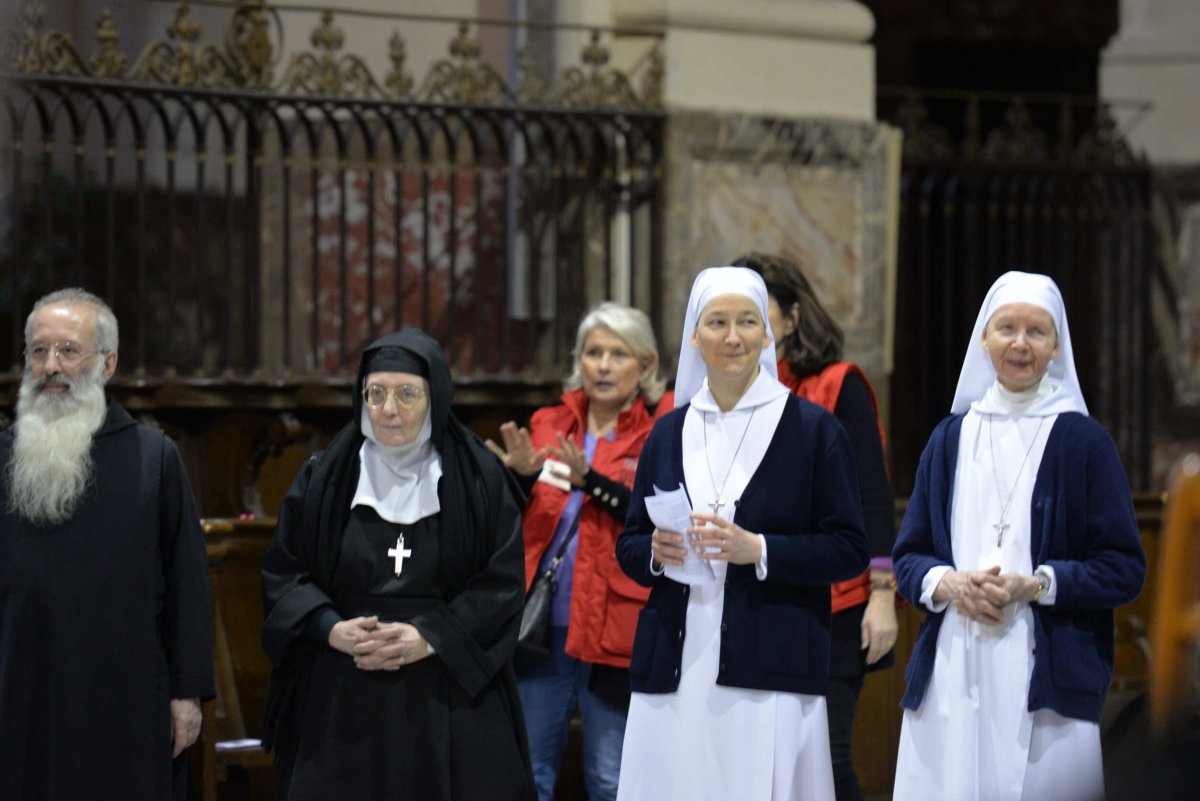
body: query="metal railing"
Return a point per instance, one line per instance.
(259, 213)
(1041, 183)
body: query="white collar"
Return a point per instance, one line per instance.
(765, 389)
(1042, 400)
(399, 482)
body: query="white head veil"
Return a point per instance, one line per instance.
(710, 283)
(978, 374)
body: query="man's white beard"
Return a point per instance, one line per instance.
(51, 466)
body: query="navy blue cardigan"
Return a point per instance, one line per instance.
(1082, 525)
(803, 499)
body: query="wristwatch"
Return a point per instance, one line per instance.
(1043, 587)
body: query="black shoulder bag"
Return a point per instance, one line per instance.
(533, 642)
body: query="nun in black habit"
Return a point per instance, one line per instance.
(393, 592)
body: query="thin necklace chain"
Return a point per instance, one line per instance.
(597, 430)
(1002, 525)
(717, 503)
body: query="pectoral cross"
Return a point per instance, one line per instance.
(1000, 527)
(400, 553)
(716, 504)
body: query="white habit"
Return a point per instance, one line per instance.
(705, 742)
(973, 736)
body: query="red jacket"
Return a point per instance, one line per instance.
(823, 389)
(604, 601)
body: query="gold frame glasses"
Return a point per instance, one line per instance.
(405, 395)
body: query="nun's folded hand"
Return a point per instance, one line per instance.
(977, 594)
(346, 634)
(1020, 588)
(390, 647)
(721, 540)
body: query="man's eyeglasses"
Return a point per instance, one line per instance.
(406, 395)
(69, 354)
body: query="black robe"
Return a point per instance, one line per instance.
(445, 728)
(103, 619)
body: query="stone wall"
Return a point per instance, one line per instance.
(814, 190)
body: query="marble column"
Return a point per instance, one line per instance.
(772, 146)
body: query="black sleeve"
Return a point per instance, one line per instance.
(524, 482)
(633, 543)
(187, 623)
(475, 632)
(612, 496)
(855, 410)
(320, 622)
(290, 592)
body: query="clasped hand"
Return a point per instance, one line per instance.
(378, 646)
(713, 537)
(982, 595)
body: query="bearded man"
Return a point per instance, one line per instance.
(105, 616)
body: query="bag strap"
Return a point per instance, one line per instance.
(562, 549)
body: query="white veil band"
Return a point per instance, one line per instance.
(978, 374)
(710, 283)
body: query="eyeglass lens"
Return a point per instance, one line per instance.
(406, 394)
(68, 353)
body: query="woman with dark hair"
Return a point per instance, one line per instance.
(809, 351)
(393, 593)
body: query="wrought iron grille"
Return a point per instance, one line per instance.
(261, 216)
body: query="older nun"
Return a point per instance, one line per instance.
(1018, 542)
(393, 592)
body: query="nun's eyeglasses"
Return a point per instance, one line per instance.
(405, 395)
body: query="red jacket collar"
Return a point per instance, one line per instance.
(635, 416)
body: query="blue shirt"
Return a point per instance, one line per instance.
(564, 577)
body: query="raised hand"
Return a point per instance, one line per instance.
(518, 452)
(569, 454)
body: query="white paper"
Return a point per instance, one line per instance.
(671, 511)
(556, 474)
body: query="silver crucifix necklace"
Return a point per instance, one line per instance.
(716, 503)
(1003, 524)
(399, 553)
